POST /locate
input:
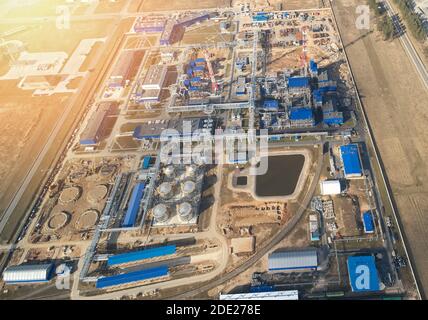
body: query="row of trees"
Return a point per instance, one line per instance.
(386, 26)
(413, 20)
(385, 23)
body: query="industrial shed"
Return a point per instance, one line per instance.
(134, 205)
(293, 260)
(29, 273)
(298, 82)
(330, 187)
(351, 161)
(134, 256)
(132, 277)
(126, 67)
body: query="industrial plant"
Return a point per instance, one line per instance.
(224, 154)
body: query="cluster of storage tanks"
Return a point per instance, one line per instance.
(174, 194)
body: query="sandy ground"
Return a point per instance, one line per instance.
(156, 5)
(395, 102)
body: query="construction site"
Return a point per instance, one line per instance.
(143, 203)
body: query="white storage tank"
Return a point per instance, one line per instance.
(165, 189)
(185, 211)
(161, 213)
(188, 187)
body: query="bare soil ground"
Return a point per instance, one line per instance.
(395, 102)
(156, 5)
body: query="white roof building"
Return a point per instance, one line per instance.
(293, 260)
(330, 187)
(273, 295)
(29, 273)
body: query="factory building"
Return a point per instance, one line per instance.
(363, 275)
(134, 205)
(28, 273)
(134, 256)
(270, 295)
(155, 77)
(350, 156)
(368, 222)
(333, 118)
(313, 68)
(271, 105)
(298, 84)
(330, 187)
(96, 127)
(260, 17)
(293, 260)
(150, 24)
(125, 68)
(167, 37)
(132, 277)
(301, 117)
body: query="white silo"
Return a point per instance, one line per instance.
(161, 213)
(185, 211)
(188, 187)
(165, 189)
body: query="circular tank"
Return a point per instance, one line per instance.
(185, 211)
(169, 171)
(70, 194)
(165, 189)
(188, 187)
(160, 212)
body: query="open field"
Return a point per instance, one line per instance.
(395, 102)
(80, 102)
(32, 8)
(155, 5)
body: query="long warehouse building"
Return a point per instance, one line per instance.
(139, 255)
(95, 128)
(28, 273)
(134, 205)
(293, 260)
(132, 277)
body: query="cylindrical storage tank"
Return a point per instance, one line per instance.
(185, 211)
(188, 187)
(165, 189)
(169, 171)
(161, 213)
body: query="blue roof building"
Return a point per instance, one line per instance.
(351, 161)
(302, 115)
(146, 162)
(363, 275)
(271, 105)
(313, 66)
(333, 118)
(131, 277)
(260, 17)
(368, 222)
(134, 205)
(298, 82)
(134, 256)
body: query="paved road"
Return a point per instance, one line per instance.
(408, 45)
